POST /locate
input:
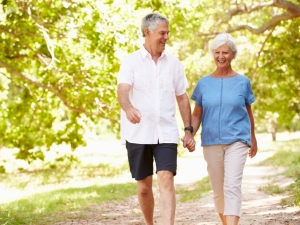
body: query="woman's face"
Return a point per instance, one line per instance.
(223, 56)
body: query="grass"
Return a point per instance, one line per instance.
(271, 189)
(46, 194)
(63, 175)
(194, 191)
(287, 155)
(40, 207)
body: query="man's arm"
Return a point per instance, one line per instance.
(132, 114)
(185, 112)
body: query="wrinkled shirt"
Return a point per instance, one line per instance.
(225, 118)
(154, 88)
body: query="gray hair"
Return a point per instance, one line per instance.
(222, 39)
(151, 21)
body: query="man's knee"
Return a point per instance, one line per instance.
(145, 186)
(165, 179)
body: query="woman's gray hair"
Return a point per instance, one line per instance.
(222, 39)
(151, 21)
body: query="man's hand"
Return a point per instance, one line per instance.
(188, 141)
(133, 115)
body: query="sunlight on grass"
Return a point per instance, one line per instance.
(30, 210)
(287, 155)
(194, 191)
(55, 176)
(271, 189)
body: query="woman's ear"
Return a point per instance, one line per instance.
(234, 54)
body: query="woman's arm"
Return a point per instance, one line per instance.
(253, 150)
(196, 118)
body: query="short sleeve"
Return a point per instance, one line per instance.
(181, 82)
(125, 74)
(197, 95)
(249, 96)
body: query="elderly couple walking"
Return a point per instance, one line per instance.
(150, 82)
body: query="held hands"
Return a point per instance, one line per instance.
(188, 141)
(133, 115)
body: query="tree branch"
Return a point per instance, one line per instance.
(244, 9)
(261, 49)
(271, 23)
(50, 46)
(15, 72)
(288, 6)
(293, 11)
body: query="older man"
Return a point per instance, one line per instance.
(150, 82)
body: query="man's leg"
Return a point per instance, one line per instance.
(146, 200)
(167, 201)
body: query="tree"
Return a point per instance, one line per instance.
(58, 63)
(277, 77)
(60, 59)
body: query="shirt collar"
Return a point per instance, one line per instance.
(144, 52)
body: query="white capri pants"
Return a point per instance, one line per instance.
(225, 165)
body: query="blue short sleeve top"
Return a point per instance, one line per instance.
(225, 119)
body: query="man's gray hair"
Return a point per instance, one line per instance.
(151, 21)
(222, 39)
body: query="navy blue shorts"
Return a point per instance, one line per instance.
(141, 156)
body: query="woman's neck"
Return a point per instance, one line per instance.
(226, 72)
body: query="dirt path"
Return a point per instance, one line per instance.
(258, 207)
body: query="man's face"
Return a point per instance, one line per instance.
(158, 38)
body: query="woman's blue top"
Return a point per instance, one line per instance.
(225, 119)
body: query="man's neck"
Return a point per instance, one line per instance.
(154, 54)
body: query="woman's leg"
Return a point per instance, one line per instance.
(234, 162)
(232, 220)
(214, 156)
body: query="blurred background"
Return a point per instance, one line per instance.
(59, 62)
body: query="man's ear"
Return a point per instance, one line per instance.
(146, 32)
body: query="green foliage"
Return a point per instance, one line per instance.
(195, 191)
(60, 59)
(42, 208)
(277, 75)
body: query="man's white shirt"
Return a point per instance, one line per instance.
(154, 88)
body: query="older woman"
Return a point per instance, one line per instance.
(223, 104)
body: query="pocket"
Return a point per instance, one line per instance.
(168, 82)
(141, 81)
